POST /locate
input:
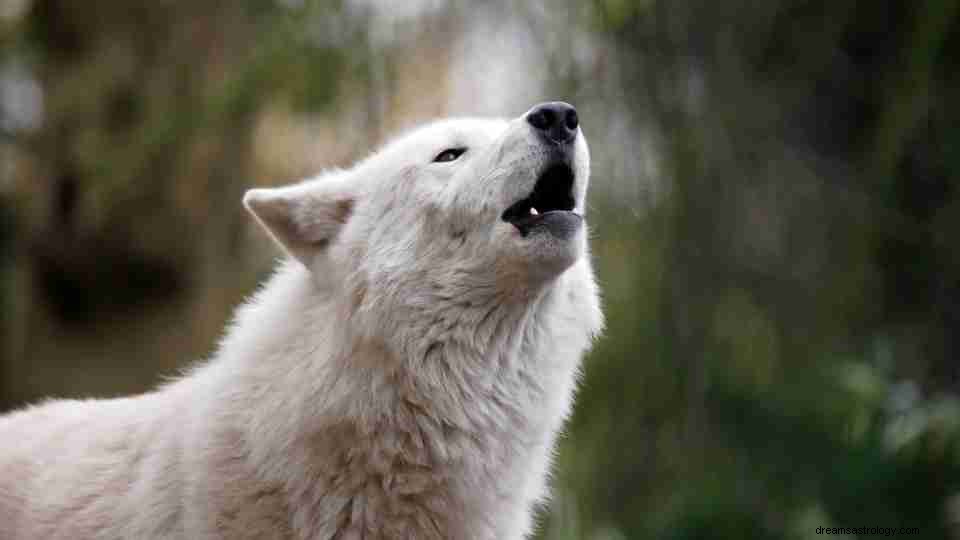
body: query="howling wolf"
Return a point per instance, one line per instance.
(402, 375)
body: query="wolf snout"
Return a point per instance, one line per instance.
(556, 121)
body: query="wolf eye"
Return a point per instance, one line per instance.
(450, 154)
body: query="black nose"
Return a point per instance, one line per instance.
(556, 120)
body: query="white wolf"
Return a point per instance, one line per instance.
(403, 375)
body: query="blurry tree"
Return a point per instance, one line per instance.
(149, 109)
(804, 271)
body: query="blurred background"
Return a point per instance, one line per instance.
(774, 212)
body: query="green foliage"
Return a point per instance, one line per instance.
(776, 359)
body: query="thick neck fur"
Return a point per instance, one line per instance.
(441, 439)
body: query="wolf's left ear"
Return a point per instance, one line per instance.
(302, 218)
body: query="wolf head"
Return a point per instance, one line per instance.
(463, 212)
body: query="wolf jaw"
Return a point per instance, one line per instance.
(553, 192)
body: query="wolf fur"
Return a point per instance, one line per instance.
(402, 375)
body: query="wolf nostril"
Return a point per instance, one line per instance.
(556, 120)
(572, 121)
(541, 119)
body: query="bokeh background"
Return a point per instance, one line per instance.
(774, 213)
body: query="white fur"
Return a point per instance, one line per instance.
(403, 376)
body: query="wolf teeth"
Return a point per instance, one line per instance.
(533, 211)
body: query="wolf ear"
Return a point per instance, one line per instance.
(302, 218)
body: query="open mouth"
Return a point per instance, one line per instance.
(552, 193)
